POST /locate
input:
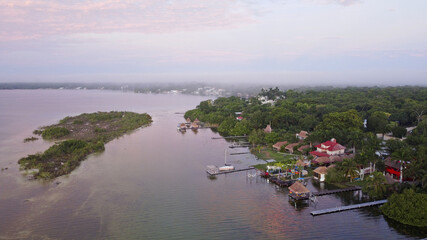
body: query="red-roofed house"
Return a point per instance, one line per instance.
(328, 148)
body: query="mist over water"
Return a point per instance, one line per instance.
(151, 183)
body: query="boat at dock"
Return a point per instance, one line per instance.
(226, 167)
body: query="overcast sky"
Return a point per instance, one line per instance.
(320, 42)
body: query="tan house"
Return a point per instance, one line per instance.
(277, 146)
(194, 125)
(267, 129)
(302, 135)
(320, 173)
(290, 147)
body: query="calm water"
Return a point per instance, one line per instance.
(151, 184)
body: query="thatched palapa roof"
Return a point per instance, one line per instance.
(321, 170)
(298, 188)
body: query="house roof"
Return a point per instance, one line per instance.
(267, 129)
(303, 147)
(298, 187)
(183, 125)
(335, 159)
(330, 145)
(302, 134)
(188, 120)
(291, 146)
(319, 154)
(196, 120)
(322, 160)
(194, 125)
(280, 144)
(321, 170)
(300, 163)
(392, 163)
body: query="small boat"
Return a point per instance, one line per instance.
(226, 167)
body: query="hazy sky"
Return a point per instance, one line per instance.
(317, 42)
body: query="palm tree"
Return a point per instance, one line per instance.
(355, 138)
(349, 168)
(403, 154)
(377, 184)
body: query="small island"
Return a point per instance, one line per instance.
(78, 137)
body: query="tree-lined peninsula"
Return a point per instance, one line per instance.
(77, 137)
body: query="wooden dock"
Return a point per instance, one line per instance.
(240, 146)
(239, 153)
(229, 137)
(327, 192)
(210, 173)
(345, 208)
(281, 183)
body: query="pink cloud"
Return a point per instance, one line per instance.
(39, 18)
(341, 2)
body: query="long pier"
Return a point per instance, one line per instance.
(229, 137)
(211, 173)
(346, 208)
(327, 192)
(239, 146)
(238, 153)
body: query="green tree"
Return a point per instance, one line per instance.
(256, 137)
(376, 187)
(398, 132)
(378, 122)
(338, 125)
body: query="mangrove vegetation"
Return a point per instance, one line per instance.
(77, 137)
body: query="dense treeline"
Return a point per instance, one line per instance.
(83, 134)
(384, 108)
(408, 207)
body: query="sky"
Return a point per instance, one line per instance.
(307, 42)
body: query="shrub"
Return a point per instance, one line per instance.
(407, 208)
(55, 132)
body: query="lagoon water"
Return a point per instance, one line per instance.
(151, 183)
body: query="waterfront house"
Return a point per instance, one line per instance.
(197, 121)
(277, 146)
(328, 148)
(302, 135)
(394, 168)
(194, 125)
(182, 127)
(297, 191)
(267, 129)
(290, 147)
(188, 120)
(320, 173)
